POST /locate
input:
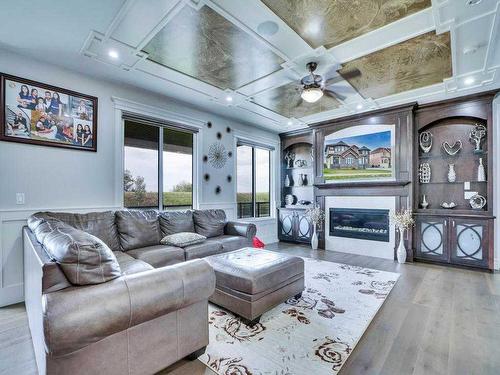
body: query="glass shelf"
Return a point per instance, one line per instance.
(298, 186)
(295, 168)
(456, 182)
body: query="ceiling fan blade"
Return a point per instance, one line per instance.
(334, 95)
(354, 73)
(341, 89)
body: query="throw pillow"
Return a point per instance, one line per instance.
(183, 239)
(83, 258)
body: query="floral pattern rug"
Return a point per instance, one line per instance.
(312, 335)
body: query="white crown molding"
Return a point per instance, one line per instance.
(155, 112)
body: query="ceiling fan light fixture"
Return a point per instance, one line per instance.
(311, 94)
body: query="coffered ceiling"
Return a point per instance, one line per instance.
(245, 58)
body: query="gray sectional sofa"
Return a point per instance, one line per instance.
(103, 295)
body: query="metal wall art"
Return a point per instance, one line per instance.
(424, 173)
(452, 150)
(425, 141)
(477, 202)
(476, 136)
(217, 155)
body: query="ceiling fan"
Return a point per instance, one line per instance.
(314, 86)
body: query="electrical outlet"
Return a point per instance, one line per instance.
(19, 198)
(467, 185)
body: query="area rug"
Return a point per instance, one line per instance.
(312, 335)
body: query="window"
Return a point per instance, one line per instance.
(253, 181)
(157, 159)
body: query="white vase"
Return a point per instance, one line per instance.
(452, 176)
(314, 239)
(287, 181)
(401, 252)
(481, 174)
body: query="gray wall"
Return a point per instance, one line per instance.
(73, 180)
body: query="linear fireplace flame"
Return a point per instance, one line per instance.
(364, 224)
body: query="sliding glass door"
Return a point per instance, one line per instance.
(158, 167)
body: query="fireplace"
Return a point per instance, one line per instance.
(364, 224)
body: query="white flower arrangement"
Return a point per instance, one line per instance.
(402, 219)
(316, 214)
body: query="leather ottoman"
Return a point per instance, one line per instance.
(251, 281)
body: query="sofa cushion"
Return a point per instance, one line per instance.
(201, 250)
(99, 224)
(230, 243)
(182, 239)
(209, 223)
(139, 228)
(158, 255)
(176, 221)
(130, 265)
(83, 258)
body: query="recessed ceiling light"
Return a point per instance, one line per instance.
(113, 54)
(473, 2)
(229, 98)
(290, 122)
(267, 28)
(469, 81)
(359, 106)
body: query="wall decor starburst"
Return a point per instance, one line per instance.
(217, 155)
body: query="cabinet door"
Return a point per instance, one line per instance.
(286, 225)
(431, 238)
(470, 242)
(304, 227)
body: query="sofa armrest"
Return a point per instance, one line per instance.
(79, 316)
(238, 228)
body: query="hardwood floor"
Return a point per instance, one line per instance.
(437, 320)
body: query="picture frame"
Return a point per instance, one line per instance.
(36, 113)
(361, 153)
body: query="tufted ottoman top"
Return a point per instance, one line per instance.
(253, 271)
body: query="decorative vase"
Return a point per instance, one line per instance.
(452, 176)
(301, 179)
(287, 181)
(314, 239)
(401, 252)
(304, 180)
(424, 203)
(481, 174)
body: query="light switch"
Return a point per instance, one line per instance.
(19, 198)
(467, 185)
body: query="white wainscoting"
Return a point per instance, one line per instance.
(11, 250)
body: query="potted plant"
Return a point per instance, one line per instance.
(402, 220)
(316, 215)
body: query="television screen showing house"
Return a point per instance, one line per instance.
(361, 157)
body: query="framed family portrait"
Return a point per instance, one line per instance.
(40, 114)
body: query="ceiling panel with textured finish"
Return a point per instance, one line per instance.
(332, 22)
(418, 62)
(286, 101)
(206, 46)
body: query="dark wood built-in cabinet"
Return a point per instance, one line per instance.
(461, 235)
(294, 225)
